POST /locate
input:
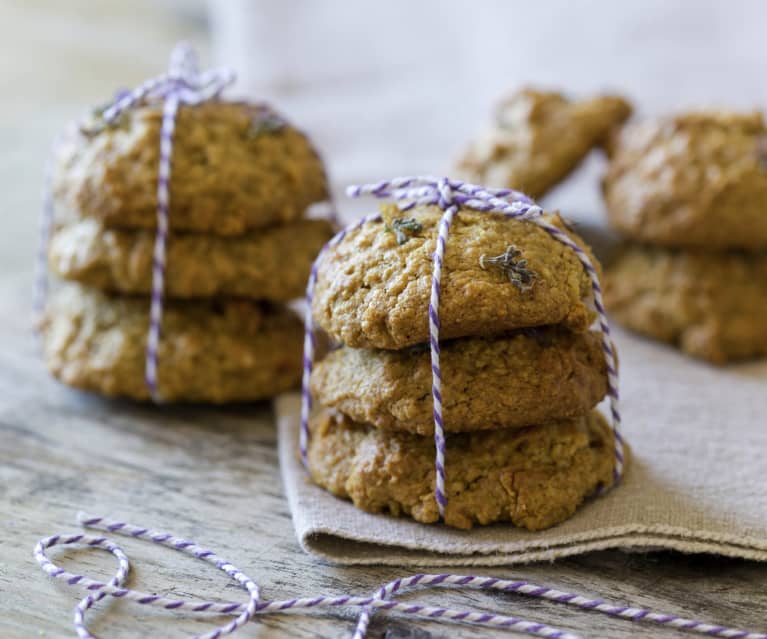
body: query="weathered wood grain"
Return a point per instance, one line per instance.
(212, 475)
(209, 474)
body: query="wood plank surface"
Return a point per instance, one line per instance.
(208, 474)
(211, 474)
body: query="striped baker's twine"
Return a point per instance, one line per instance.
(382, 600)
(450, 196)
(310, 338)
(40, 292)
(114, 587)
(183, 84)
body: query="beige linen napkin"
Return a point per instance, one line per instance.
(697, 480)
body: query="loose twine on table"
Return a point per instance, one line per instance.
(381, 599)
(184, 84)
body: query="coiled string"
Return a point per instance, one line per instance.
(451, 196)
(382, 599)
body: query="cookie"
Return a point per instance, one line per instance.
(539, 138)
(712, 305)
(210, 351)
(529, 377)
(373, 287)
(235, 167)
(271, 264)
(694, 180)
(534, 478)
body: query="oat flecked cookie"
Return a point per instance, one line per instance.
(538, 138)
(212, 351)
(271, 264)
(373, 287)
(235, 167)
(712, 305)
(694, 180)
(529, 377)
(534, 478)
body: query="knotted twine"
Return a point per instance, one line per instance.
(451, 196)
(382, 599)
(182, 84)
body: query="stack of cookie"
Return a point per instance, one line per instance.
(690, 193)
(239, 248)
(538, 138)
(521, 372)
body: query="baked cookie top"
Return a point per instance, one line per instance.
(696, 179)
(712, 305)
(534, 478)
(528, 377)
(271, 263)
(210, 351)
(235, 167)
(499, 274)
(538, 138)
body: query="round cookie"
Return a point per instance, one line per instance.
(217, 351)
(373, 287)
(695, 180)
(235, 167)
(529, 377)
(538, 139)
(271, 264)
(534, 478)
(712, 305)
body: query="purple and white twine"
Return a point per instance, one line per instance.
(450, 196)
(382, 599)
(183, 84)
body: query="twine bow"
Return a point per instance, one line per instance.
(182, 84)
(451, 196)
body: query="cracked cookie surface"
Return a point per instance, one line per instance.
(538, 139)
(271, 264)
(694, 180)
(210, 351)
(529, 377)
(712, 305)
(373, 289)
(229, 173)
(534, 478)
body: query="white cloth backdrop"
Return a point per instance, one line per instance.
(395, 87)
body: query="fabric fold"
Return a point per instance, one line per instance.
(696, 481)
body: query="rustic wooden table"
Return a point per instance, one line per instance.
(211, 474)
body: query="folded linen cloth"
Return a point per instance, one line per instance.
(696, 482)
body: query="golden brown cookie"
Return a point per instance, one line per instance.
(538, 138)
(235, 167)
(712, 305)
(271, 263)
(528, 377)
(373, 287)
(694, 180)
(210, 351)
(535, 478)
